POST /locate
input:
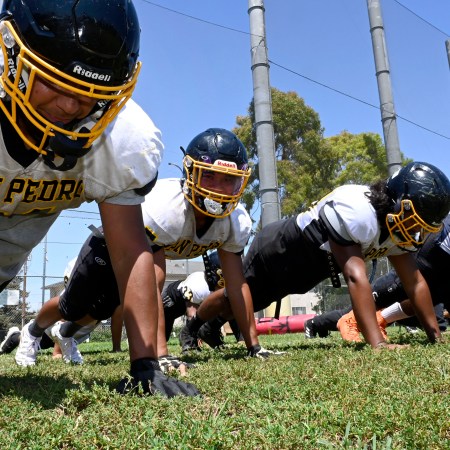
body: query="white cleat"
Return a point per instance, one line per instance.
(68, 345)
(27, 351)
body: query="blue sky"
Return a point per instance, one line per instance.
(196, 74)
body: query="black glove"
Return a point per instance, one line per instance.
(147, 374)
(170, 362)
(256, 351)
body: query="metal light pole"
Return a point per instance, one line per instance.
(265, 141)
(388, 116)
(24, 291)
(447, 47)
(44, 270)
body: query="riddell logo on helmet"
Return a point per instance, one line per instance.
(90, 74)
(222, 163)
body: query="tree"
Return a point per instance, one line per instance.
(308, 164)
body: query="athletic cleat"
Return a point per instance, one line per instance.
(68, 345)
(310, 329)
(11, 341)
(211, 335)
(348, 327)
(382, 324)
(26, 353)
(188, 341)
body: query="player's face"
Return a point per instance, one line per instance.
(221, 183)
(57, 104)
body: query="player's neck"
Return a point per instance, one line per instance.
(202, 222)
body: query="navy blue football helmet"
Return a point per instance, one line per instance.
(88, 48)
(212, 157)
(421, 196)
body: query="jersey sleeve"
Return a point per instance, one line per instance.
(241, 226)
(125, 160)
(356, 215)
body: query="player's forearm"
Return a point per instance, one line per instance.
(162, 343)
(140, 308)
(423, 308)
(242, 308)
(364, 309)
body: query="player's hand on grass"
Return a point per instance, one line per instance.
(168, 363)
(147, 375)
(256, 351)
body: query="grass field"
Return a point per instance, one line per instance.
(323, 394)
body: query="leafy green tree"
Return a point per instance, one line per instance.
(308, 164)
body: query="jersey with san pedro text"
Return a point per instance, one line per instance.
(124, 158)
(170, 223)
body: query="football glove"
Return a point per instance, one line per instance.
(170, 362)
(146, 374)
(256, 351)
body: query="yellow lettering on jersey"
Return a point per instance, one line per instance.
(32, 191)
(15, 187)
(39, 211)
(178, 247)
(198, 250)
(375, 253)
(151, 234)
(48, 190)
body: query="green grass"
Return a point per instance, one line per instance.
(323, 394)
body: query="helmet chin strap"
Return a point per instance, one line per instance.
(66, 148)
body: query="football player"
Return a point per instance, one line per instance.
(183, 218)
(183, 297)
(70, 134)
(391, 300)
(339, 233)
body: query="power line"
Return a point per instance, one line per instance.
(197, 18)
(77, 217)
(308, 78)
(356, 99)
(422, 19)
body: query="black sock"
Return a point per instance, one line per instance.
(68, 329)
(35, 330)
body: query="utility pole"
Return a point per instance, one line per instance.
(24, 291)
(447, 46)
(44, 270)
(388, 116)
(265, 141)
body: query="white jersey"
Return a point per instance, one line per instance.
(170, 223)
(124, 158)
(348, 213)
(194, 288)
